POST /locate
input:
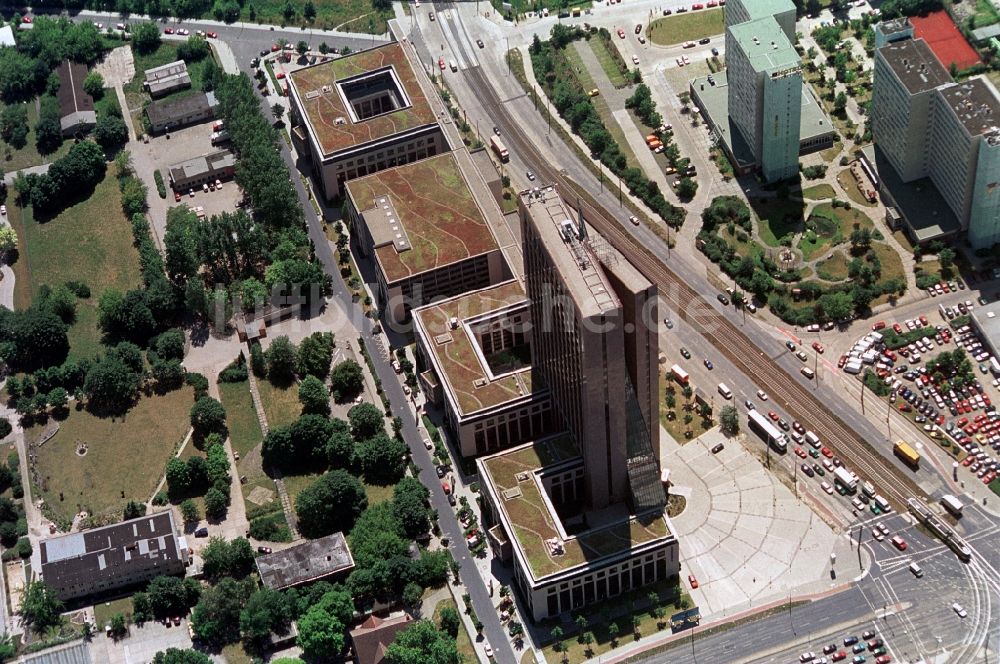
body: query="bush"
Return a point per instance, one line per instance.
(161, 188)
(236, 372)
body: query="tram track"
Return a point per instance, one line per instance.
(727, 339)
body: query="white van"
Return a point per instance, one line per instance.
(812, 439)
(453, 65)
(915, 568)
(725, 391)
(807, 372)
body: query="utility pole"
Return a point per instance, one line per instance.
(816, 368)
(862, 394)
(620, 204)
(507, 55)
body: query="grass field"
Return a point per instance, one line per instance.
(986, 13)
(675, 426)
(848, 184)
(819, 192)
(834, 268)
(466, 651)
(16, 159)
(91, 242)
(244, 429)
(136, 97)
(104, 610)
(684, 27)
(778, 218)
(603, 56)
(150, 432)
(347, 15)
(281, 404)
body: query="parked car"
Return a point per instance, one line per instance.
(263, 549)
(693, 581)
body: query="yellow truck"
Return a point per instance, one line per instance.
(907, 454)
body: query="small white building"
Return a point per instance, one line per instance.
(7, 36)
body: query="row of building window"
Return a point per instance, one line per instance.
(513, 428)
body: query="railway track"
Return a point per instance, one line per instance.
(799, 402)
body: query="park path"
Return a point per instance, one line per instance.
(279, 482)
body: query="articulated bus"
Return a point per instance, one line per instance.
(760, 425)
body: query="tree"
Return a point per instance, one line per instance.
(93, 84)
(110, 131)
(450, 621)
(216, 503)
(119, 627)
(613, 631)
(422, 642)
(40, 608)
(320, 634)
(309, 11)
(171, 595)
(126, 316)
(14, 121)
(133, 509)
(178, 656)
(110, 385)
(314, 396)
(281, 360)
(38, 338)
(266, 611)
(840, 102)
(216, 618)
(208, 416)
(686, 188)
(409, 505)
(729, 420)
(366, 421)
(946, 257)
(346, 379)
(329, 504)
(222, 558)
(48, 130)
(382, 459)
(315, 354)
(835, 306)
(190, 512)
(145, 37)
(181, 242)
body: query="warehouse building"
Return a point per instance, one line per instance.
(167, 78)
(193, 173)
(171, 114)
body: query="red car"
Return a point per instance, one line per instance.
(878, 326)
(25, 19)
(827, 452)
(446, 487)
(168, 31)
(898, 328)
(621, 33)
(801, 452)
(839, 655)
(693, 581)
(818, 347)
(441, 63)
(177, 197)
(697, 6)
(773, 415)
(212, 35)
(883, 659)
(275, 47)
(842, 361)
(899, 543)
(923, 320)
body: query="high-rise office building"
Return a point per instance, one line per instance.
(593, 341)
(765, 83)
(926, 125)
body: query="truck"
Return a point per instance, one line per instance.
(907, 454)
(952, 504)
(845, 479)
(499, 149)
(220, 137)
(679, 374)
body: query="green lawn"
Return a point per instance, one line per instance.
(844, 218)
(466, 651)
(833, 268)
(684, 27)
(294, 484)
(582, 73)
(811, 244)
(125, 455)
(91, 242)
(611, 69)
(778, 218)
(104, 610)
(346, 15)
(16, 159)
(244, 429)
(892, 265)
(281, 404)
(986, 13)
(619, 610)
(819, 192)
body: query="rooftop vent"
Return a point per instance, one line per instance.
(327, 89)
(453, 322)
(480, 382)
(312, 94)
(340, 121)
(521, 477)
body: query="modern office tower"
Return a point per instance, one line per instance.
(765, 83)
(927, 126)
(907, 76)
(593, 342)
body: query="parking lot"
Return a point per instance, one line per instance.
(162, 152)
(948, 395)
